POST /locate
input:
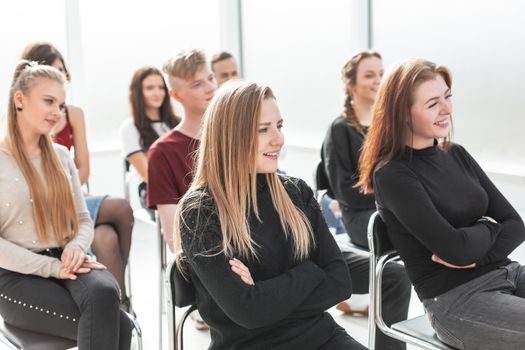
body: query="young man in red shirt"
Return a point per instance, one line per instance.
(171, 157)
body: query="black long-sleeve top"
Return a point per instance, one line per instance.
(285, 309)
(340, 156)
(431, 201)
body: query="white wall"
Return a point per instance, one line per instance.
(482, 42)
(298, 48)
(21, 22)
(120, 36)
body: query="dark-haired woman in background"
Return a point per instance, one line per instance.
(340, 154)
(153, 116)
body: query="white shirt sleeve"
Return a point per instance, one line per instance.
(130, 138)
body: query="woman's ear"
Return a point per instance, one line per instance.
(18, 98)
(350, 89)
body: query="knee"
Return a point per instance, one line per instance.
(105, 293)
(106, 239)
(123, 210)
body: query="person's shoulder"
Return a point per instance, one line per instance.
(197, 198)
(166, 141)
(198, 209)
(455, 148)
(127, 125)
(60, 150)
(75, 114)
(340, 124)
(62, 153)
(393, 169)
(340, 128)
(460, 154)
(295, 186)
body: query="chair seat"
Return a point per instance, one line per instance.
(420, 328)
(345, 245)
(35, 341)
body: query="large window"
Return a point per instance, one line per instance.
(22, 22)
(120, 36)
(481, 41)
(298, 48)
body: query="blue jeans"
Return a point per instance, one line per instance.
(331, 220)
(486, 313)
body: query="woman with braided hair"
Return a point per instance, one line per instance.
(340, 155)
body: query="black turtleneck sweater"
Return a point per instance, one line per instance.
(340, 156)
(285, 309)
(432, 201)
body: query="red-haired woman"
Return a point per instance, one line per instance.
(452, 227)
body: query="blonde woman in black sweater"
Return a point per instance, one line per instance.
(264, 265)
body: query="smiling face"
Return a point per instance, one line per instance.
(430, 113)
(42, 106)
(270, 139)
(368, 77)
(153, 91)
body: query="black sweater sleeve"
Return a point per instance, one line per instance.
(339, 151)
(270, 300)
(401, 192)
(336, 285)
(512, 229)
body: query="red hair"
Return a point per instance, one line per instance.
(386, 138)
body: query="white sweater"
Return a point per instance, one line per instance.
(18, 235)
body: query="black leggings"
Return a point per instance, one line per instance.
(340, 340)
(86, 309)
(112, 240)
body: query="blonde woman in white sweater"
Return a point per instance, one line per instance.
(47, 282)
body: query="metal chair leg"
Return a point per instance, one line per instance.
(163, 263)
(170, 307)
(179, 333)
(137, 329)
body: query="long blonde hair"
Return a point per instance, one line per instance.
(54, 208)
(226, 168)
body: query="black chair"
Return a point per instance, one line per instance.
(322, 187)
(150, 217)
(416, 331)
(180, 293)
(20, 339)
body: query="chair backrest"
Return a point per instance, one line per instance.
(381, 242)
(182, 291)
(321, 179)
